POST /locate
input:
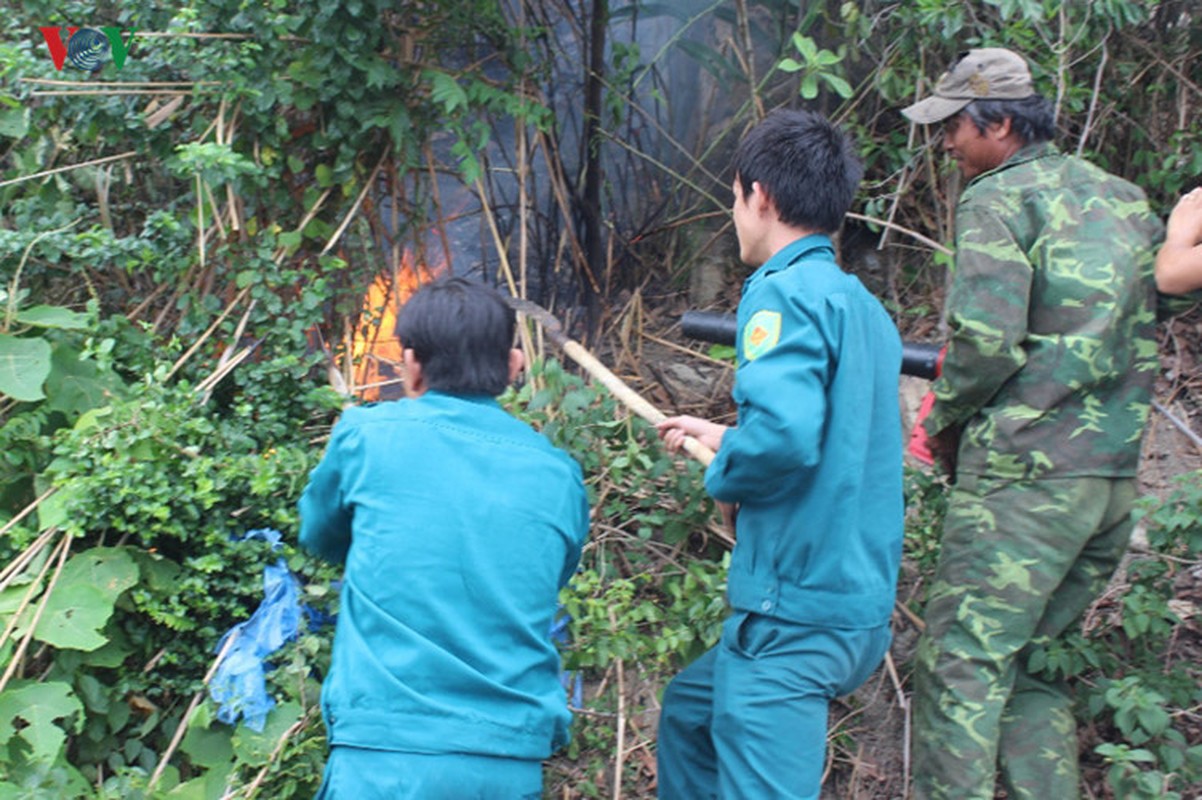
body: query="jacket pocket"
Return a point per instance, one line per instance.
(750, 635)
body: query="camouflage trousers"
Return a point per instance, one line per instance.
(1021, 561)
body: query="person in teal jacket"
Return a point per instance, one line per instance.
(458, 525)
(811, 477)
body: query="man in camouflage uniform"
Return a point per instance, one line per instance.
(1038, 413)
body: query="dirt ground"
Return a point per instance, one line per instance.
(869, 731)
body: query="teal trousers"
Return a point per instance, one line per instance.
(354, 773)
(748, 719)
(1020, 563)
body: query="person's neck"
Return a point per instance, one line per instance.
(782, 235)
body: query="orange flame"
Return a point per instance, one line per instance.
(375, 348)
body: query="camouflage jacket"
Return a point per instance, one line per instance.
(1052, 311)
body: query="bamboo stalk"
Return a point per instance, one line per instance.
(178, 736)
(18, 564)
(305, 220)
(224, 368)
(208, 332)
(27, 510)
(253, 787)
(158, 290)
(561, 199)
(198, 35)
(92, 84)
(355, 206)
(82, 92)
(620, 733)
(63, 547)
(200, 223)
(507, 271)
(56, 170)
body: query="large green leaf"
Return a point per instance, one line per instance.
(255, 748)
(212, 785)
(24, 365)
(53, 317)
(75, 385)
(30, 711)
(82, 600)
(15, 119)
(208, 747)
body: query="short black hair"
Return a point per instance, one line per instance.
(461, 331)
(805, 163)
(1032, 118)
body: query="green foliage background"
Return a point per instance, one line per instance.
(171, 315)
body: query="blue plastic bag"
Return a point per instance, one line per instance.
(239, 685)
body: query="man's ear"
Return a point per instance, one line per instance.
(759, 200)
(414, 376)
(517, 362)
(1001, 129)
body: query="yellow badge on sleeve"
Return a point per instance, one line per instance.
(760, 334)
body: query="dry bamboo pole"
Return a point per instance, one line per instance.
(620, 732)
(279, 255)
(253, 787)
(436, 193)
(371, 179)
(27, 510)
(63, 547)
(69, 167)
(15, 567)
(180, 729)
(200, 340)
(93, 84)
(126, 92)
(507, 271)
(224, 368)
(561, 199)
(200, 223)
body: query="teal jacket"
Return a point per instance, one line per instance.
(815, 461)
(458, 525)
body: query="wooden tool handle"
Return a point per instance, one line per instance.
(630, 398)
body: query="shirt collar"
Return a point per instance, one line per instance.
(816, 244)
(1024, 154)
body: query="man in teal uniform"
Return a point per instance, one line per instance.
(1039, 412)
(811, 475)
(458, 525)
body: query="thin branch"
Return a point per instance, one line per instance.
(1093, 100)
(1179, 424)
(931, 243)
(69, 167)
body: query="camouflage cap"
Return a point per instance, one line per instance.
(988, 73)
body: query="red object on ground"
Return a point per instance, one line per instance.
(918, 445)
